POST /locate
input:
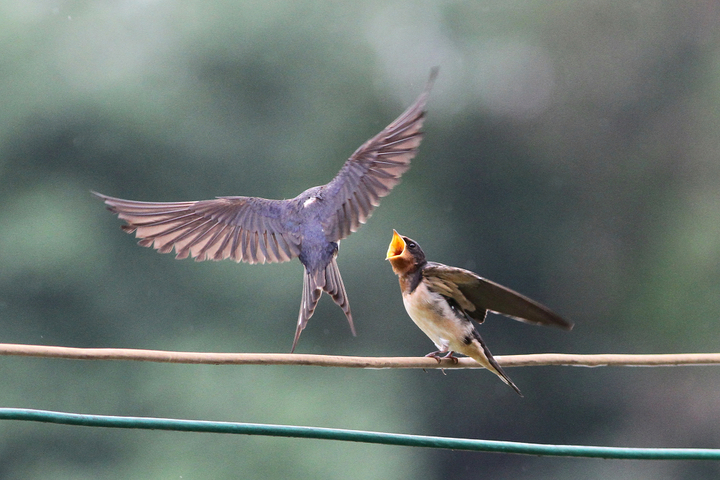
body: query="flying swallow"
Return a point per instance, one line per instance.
(444, 300)
(309, 226)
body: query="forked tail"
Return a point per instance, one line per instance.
(482, 355)
(314, 283)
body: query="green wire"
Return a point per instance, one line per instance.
(358, 436)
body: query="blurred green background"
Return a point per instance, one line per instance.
(571, 153)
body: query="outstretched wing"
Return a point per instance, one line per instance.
(476, 295)
(374, 169)
(246, 229)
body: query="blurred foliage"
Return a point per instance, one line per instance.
(571, 154)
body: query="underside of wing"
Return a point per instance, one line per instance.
(484, 295)
(374, 169)
(245, 229)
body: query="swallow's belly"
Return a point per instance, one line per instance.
(433, 315)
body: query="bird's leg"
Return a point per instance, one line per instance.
(451, 357)
(448, 355)
(435, 355)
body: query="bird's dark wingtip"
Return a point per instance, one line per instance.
(566, 325)
(434, 71)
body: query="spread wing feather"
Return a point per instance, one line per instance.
(374, 169)
(246, 229)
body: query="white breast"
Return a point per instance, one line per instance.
(433, 315)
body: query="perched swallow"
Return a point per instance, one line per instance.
(309, 226)
(444, 300)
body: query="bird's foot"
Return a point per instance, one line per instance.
(435, 355)
(451, 357)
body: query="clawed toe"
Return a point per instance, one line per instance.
(435, 355)
(449, 355)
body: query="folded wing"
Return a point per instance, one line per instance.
(245, 229)
(476, 295)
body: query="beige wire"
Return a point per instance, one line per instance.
(541, 359)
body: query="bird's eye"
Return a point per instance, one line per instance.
(411, 244)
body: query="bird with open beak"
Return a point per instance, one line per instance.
(309, 226)
(443, 301)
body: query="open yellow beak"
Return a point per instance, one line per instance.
(397, 246)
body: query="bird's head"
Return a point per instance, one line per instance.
(405, 254)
